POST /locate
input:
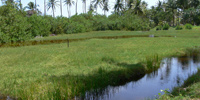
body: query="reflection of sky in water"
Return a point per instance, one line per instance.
(172, 73)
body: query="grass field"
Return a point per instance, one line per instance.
(59, 72)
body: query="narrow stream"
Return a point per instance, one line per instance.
(172, 73)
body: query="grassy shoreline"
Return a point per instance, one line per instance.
(42, 71)
(189, 90)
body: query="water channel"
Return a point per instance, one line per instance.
(172, 73)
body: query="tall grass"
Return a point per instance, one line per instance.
(55, 71)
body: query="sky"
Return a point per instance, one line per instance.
(80, 10)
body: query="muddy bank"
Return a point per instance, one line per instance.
(68, 41)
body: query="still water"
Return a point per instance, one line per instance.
(172, 73)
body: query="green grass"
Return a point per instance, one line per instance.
(171, 32)
(58, 72)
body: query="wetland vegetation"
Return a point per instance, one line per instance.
(88, 54)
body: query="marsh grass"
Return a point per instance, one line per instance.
(151, 63)
(55, 71)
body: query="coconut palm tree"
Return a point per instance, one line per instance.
(76, 7)
(8, 1)
(91, 8)
(105, 6)
(35, 5)
(44, 7)
(171, 5)
(118, 6)
(31, 6)
(137, 7)
(52, 4)
(194, 3)
(61, 7)
(20, 4)
(84, 6)
(97, 3)
(69, 3)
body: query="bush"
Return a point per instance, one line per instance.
(188, 26)
(100, 23)
(14, 26)
(166, 26)
(39, 25)
(178, 27)
(159, 28)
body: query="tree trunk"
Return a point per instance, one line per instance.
(35, 5)
(68, 11)
(76, 7)
(85, 6)
(173, 16)
(96, 10)
(20, 4)
(53, 12)
(61, 7)
(44, 7)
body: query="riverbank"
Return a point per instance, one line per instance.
(189, 90)
(56, 71)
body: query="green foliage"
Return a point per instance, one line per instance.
(100, 22)
(39, 25)
(178, 27)
(13, 25)
(188, 26)
(166, 26)
(4, 37)
(159, 28)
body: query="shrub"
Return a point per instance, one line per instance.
(39, 25)
(74, 27)
(188, 26)
(14, 26)
(159, 28)
(178, 27)
(100, 23)
(166, 26)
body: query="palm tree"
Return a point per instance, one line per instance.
(52, 4)
(35, 5)
(91, 8)
(31, 6)
(20, 4)
(171, 4)
(76, 7)
(8, 1)
(61, 7)
(97, 3)
(130, 4)
(118, 6)
(138, 7)
(44, 7)
(69, 3)
(84, 5)
(194, 3)
(183, 4)
(105, 6)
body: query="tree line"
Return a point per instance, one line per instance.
(16, 26)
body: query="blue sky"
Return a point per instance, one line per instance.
(57, 12)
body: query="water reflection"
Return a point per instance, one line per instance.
(172, 73)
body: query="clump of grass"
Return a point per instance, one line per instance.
(151, 63)
(178, 27)
(166, 26)
(159, 28)
(188, 26)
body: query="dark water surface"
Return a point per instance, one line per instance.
(172, 73)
